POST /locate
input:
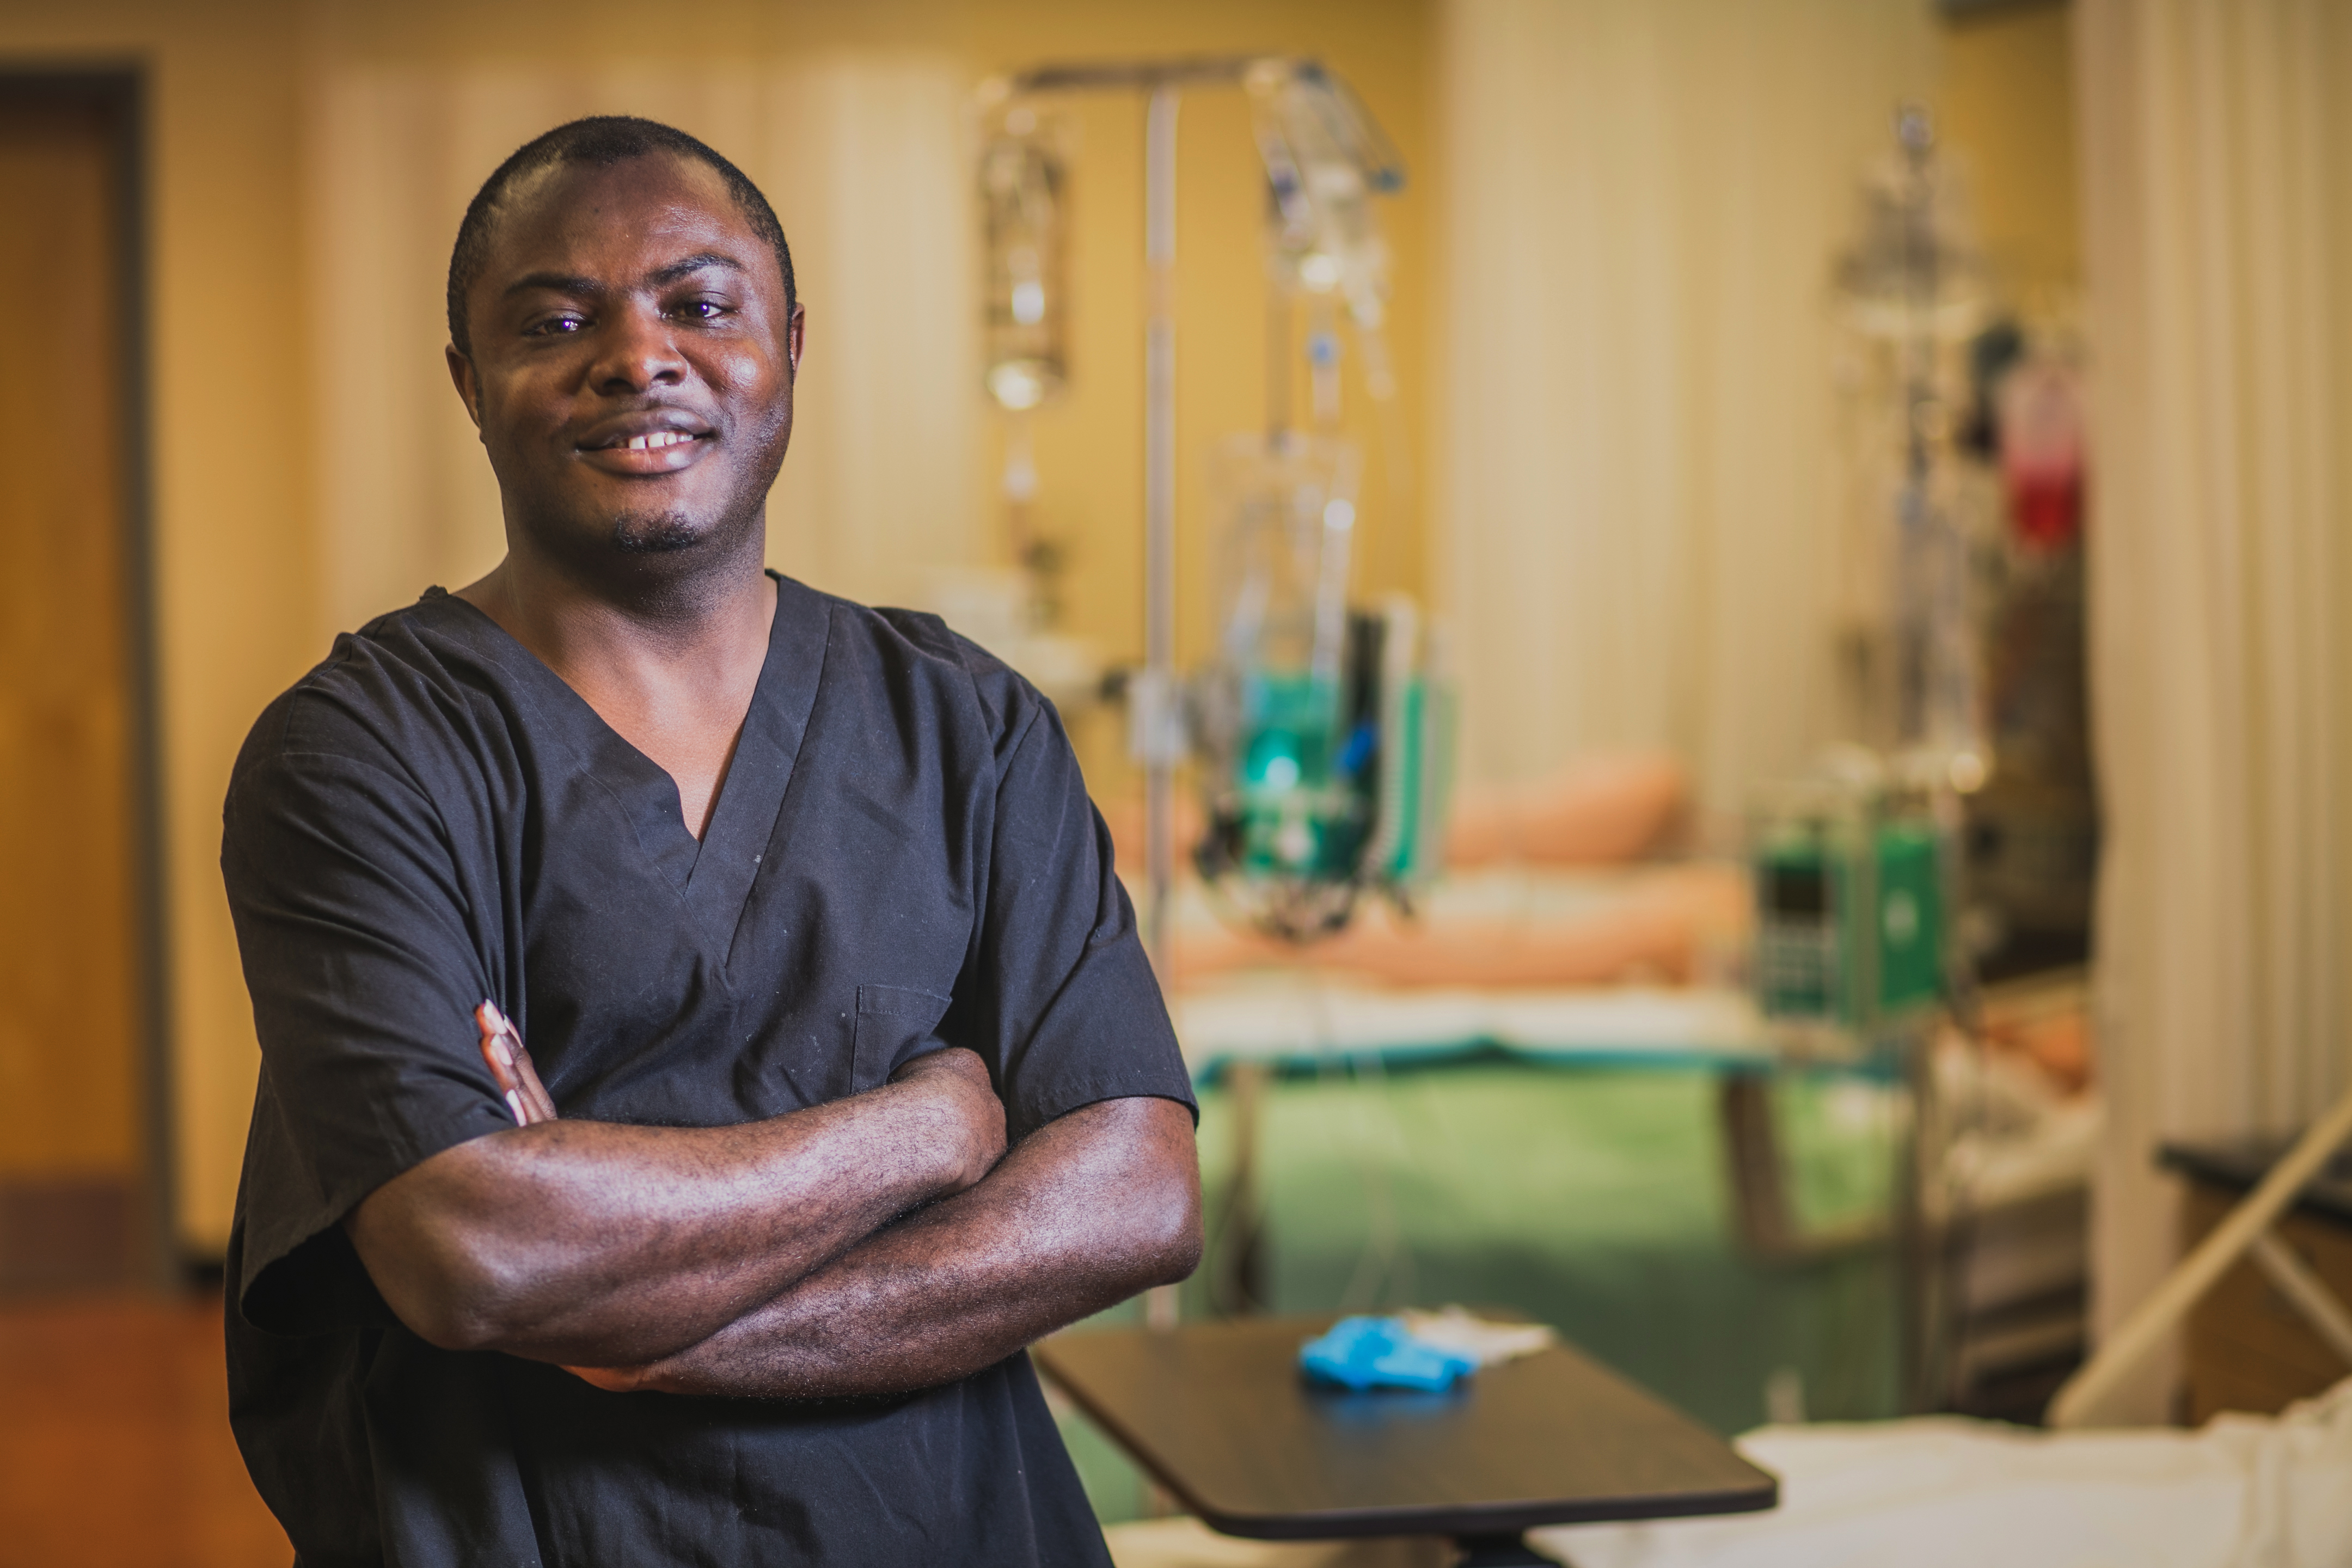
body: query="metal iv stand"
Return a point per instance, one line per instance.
(1156, 723)
(1156, 714)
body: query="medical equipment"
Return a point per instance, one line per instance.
(1023, 175)
(1850, 903)
(1856, 866)
(1912, 292)
(1325, 159)
(1325, 730)
(1323, 737)
(1853, 961)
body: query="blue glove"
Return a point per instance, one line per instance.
(1377, 1353)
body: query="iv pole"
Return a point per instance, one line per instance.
(1155, 712)
(1156, 719)
(1155, 715)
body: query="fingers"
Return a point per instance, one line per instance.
(500, 1060)
(611, 1379)
(527, 1099)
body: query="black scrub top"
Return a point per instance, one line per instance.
(903, 856)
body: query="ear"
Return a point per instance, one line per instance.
(795, 337)
(469, 393)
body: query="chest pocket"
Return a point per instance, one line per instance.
(894, 1026)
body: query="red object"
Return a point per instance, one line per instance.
(2046, 508)
(2040, 408)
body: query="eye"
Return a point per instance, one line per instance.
(561, 322)
(704, 309)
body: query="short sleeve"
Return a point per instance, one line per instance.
(352, 921)
(1058, 990)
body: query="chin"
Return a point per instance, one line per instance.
(662, 533)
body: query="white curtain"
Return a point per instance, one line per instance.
(863, 157)
(2217, 139)
(1643, 201)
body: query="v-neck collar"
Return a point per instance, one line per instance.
(712, 876)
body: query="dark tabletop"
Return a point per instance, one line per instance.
(2240, 1164)
(1220, 1414)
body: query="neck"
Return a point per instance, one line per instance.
(650, 615)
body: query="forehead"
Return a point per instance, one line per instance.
(589, 219)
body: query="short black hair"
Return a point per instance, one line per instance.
(603, 140)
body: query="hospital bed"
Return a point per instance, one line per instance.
(2241, 1492)
(2000, 1204)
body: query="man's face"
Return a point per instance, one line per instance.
(633, 360)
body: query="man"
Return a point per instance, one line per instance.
(864, 1080)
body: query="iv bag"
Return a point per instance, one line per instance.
(1914, 270)
(1324, 160)
(1290, 508)
(1288, 809)
(1326, 732)
(1022, 185)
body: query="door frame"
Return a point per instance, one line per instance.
(120, 89)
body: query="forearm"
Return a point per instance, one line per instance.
(585, 1241)
(1084, 1212)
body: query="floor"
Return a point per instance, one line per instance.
(114, 1442)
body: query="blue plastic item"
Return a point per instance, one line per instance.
(1377, 1353)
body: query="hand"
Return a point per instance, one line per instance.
(510, 1062)
(511, 1066)
(614, 1379)
(958, 1080)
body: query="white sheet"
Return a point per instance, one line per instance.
(1944, 1492)
(1302, 1016)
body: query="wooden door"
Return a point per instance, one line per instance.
(73, 1172)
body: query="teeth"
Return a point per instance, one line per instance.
(657, 440)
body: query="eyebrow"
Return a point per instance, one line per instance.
(570, 283)
(693, 264)
(555, 282)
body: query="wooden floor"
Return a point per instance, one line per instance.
(114, 1442)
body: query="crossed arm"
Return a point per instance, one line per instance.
(873, 1244)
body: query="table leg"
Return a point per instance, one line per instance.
(1919, 1245)
(1237, 1274)
(1499, 1551)
(1759, 1202)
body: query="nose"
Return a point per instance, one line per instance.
(639, 353)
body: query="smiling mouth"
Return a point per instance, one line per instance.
(643, 454)
(652, 442)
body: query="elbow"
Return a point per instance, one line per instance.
(1130, 1192)
(459, 1306)
(1170, 1240)
(1180, 1258)
(444, 1285)
(448, 1255)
